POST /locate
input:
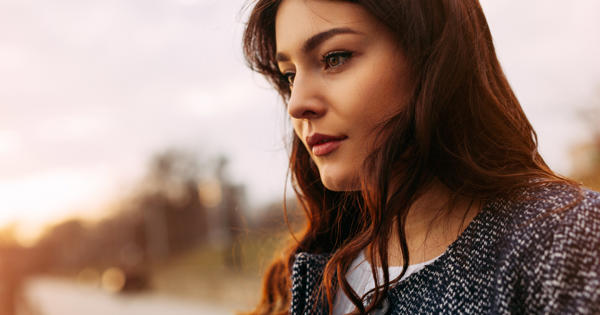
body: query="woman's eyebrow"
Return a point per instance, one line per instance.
(317, 39)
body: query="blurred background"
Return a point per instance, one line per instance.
(142, 165)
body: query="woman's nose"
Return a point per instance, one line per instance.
(306, 100)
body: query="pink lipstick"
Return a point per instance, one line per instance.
(324, 144)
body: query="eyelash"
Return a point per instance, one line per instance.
(325, 60)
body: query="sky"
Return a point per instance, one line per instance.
(90, 90)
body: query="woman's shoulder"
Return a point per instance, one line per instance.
(549, 214)
(536, 208)
(547, 226)
(561, 219)
(549, 255)
(552, 246)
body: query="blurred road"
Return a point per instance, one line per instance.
(59, 297)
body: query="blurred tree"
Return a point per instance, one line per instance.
(65, 246)
(162, 217)
(173, 216)
(15, 265)
(229, 214)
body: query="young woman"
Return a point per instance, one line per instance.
(418, 171)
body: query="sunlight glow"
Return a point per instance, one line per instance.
(44, 198)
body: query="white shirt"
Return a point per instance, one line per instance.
(361, 280)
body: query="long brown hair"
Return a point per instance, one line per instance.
(463, 127)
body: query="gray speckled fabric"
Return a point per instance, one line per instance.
(525, 257)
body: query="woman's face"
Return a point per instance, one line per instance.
(347, 76)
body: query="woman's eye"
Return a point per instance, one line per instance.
(336, 58)
(289, 77)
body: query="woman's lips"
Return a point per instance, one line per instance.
(321, 144)
(326, 148)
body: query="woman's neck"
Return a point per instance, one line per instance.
(432, 224)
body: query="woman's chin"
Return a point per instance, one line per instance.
(339, 183)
